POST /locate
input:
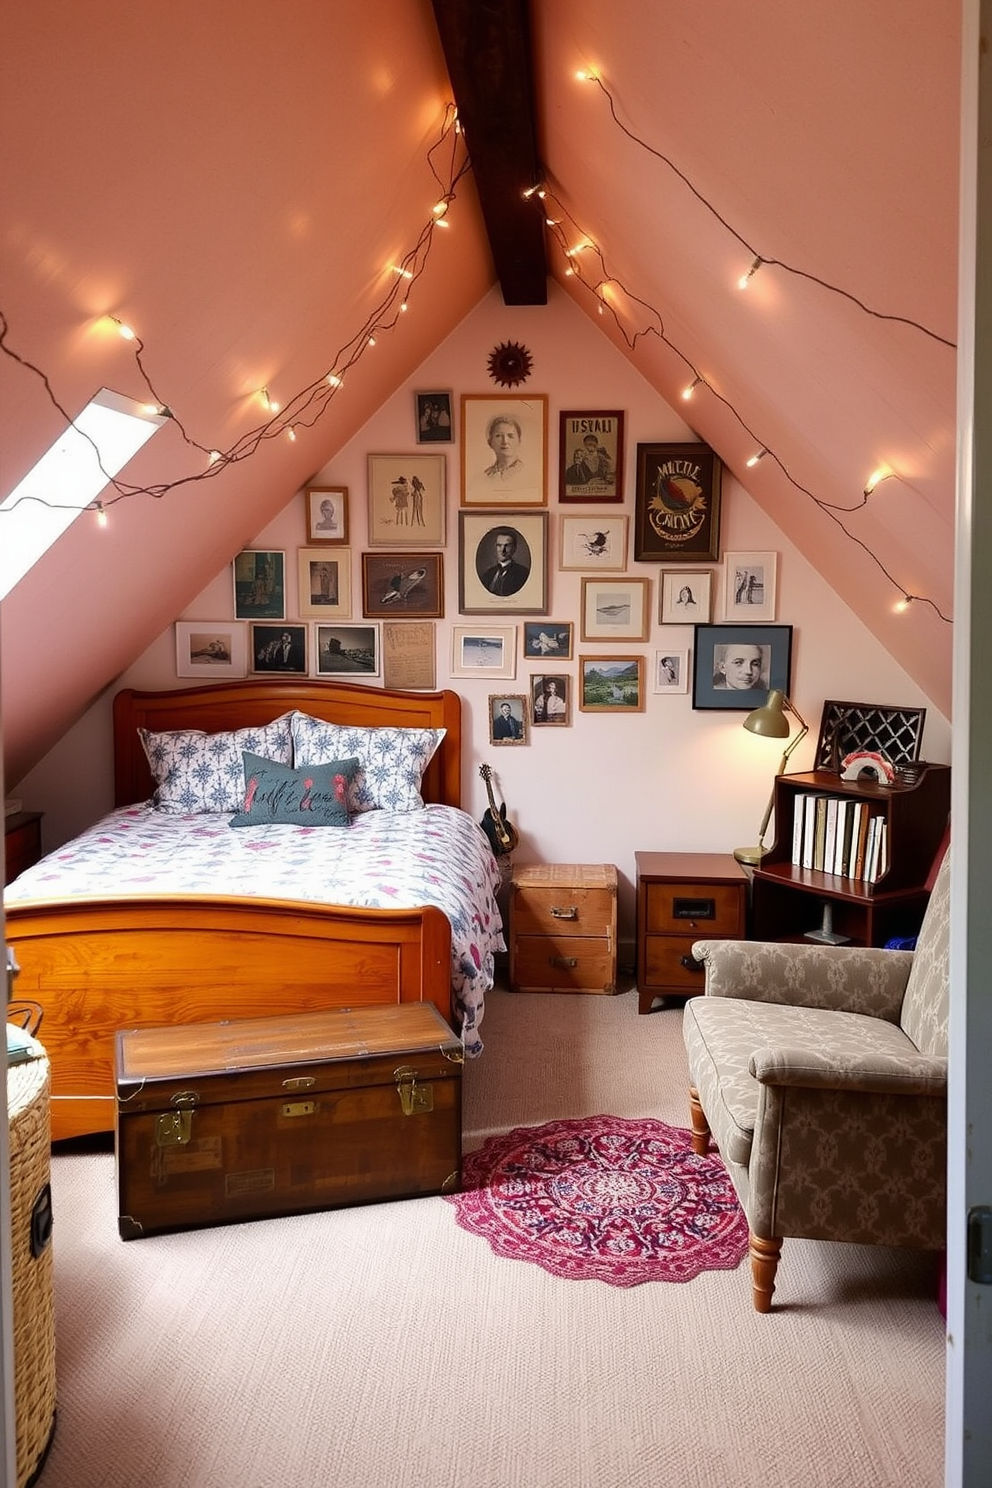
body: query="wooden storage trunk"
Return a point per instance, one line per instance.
(563, 928)
(263, 1116)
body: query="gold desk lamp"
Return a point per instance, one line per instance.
(770, 722)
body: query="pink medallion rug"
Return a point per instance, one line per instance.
(603, 1199)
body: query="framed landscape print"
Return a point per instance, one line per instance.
(548, 640)
(408, 586)
(210, 648)
(325, 583)
(677, 503)
(611, 684)
(671, 671)
(279, 648)
(502, 564)
(345, 651)
(736, 666)
(259, 584)
(406, 501)
(615, 609)
(435, 424)
(685, 596)
(590, 456)
(484, 651)
(749, 587)
(504, 449)
(327, 514)
(593, 542)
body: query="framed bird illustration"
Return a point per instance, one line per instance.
(677, 503)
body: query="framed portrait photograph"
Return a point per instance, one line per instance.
(325, 583)
(210, 648)
(484, 651)
(611, 684)
(327, 514)
(593, 542)
(409, 588)
(502, 563)
(435, 424)
(615, 609)
(345, 651)
(548, 640)
(259, 584)
(504, 449)
(671, 671)
(406, 501)
(749, 586)
(677, 503)
(507, 718)
(736, 666)
(550, 699)
(590, 456)
(279, 648)
(686, 596)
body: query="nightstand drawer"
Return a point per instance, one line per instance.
(566, 963)
(668, 962)
(563, 911)
(694, 909)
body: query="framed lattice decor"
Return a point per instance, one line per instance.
(854, 728)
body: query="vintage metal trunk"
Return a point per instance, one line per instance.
(263, 1116)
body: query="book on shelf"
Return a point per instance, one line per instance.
(858, 847)
(798, 814)
(819, 832)
(842, 842)
(809, 828)
(830, 836)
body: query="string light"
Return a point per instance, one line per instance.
(876, 477)
(687, 392)
(755, 458)
(902, 605)
(745, 279)
(101, 515)
(268, 402)
(291, 433)
(124, 331)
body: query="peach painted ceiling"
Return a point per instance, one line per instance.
(234, 179)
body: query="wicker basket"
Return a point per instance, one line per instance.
(31, 1264)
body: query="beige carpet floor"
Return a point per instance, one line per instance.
(386, 1346)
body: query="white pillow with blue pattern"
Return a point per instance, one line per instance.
(392, 760)
(198, 772)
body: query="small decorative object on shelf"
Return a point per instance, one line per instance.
(846, 728)
(510, 363)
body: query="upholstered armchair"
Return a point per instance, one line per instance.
(821, 1073)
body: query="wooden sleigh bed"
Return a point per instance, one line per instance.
(99, 964)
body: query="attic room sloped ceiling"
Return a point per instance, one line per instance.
(236, 183)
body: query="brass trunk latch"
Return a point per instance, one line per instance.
(414, 1098)
(174, 1128)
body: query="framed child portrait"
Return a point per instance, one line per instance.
(736, 666)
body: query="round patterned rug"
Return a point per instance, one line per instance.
(604, 1199)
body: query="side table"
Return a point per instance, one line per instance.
(563, 928)
(683, 897)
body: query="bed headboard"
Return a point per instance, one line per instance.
(229, 705)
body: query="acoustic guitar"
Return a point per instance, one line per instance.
(502, 834)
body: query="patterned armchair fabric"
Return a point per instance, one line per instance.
(821, 1073)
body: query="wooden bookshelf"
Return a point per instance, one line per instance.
(788, 900)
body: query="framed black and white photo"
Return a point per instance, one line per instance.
(259, 584)
(671, 671)
(736, 666)
(210, 648)
(507, 718)
(484, 651)
(615, 609)
(550, 699)
(593, 543)
(502, 563)
(345, 651)
(324, 583)
(435, 424)
(504, 449)
(686, 596)
(406, 501)
(327, 514)
(590, 456)
(279, 648)
(548, 640)
(749, 587)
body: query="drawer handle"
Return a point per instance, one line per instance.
(564, 914)
(563, 961)
(689, 963)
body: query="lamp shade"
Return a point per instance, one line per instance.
(769, 720)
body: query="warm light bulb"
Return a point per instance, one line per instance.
(902, 605)
(745, 279)
(291, 433)
(123, 330)
(440, 208)
(333, 379)
(403, 308)
(687, 392)
(371, 340)
(755, 458)
(403, 273)
(586, 75)
(270, 403)
(213, 457)
(101, 515)
(880, 474)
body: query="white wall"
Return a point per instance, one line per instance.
(670, 778)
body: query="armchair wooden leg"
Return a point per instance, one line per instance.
(700, 1139)
(764, 1263)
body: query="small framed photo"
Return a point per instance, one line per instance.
(346, 651)
(408, 655)
(611, 684)
(406, 501)
(590, 456)
(210, 648)
(749, 586)
(671, 671)
(259, 584)
(593, 542)
(325, 583)
(504, 450)
(550, 699)
(502, 564)
(434, 421)
(548, 640)
(507, 718)
(327, 514)
(484, 651)
(677, 503)
(686, 596)
(735, 666)
(615, 609)
(408, 586)
(279, 648)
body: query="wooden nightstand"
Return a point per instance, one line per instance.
(563, 928)
(682, 897)
(22, 842)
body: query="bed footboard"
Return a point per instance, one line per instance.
(96, 966)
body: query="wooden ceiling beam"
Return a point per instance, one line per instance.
(487, 48)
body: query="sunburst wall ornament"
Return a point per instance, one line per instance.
(510, 363)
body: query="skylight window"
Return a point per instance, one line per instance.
(69, 477)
